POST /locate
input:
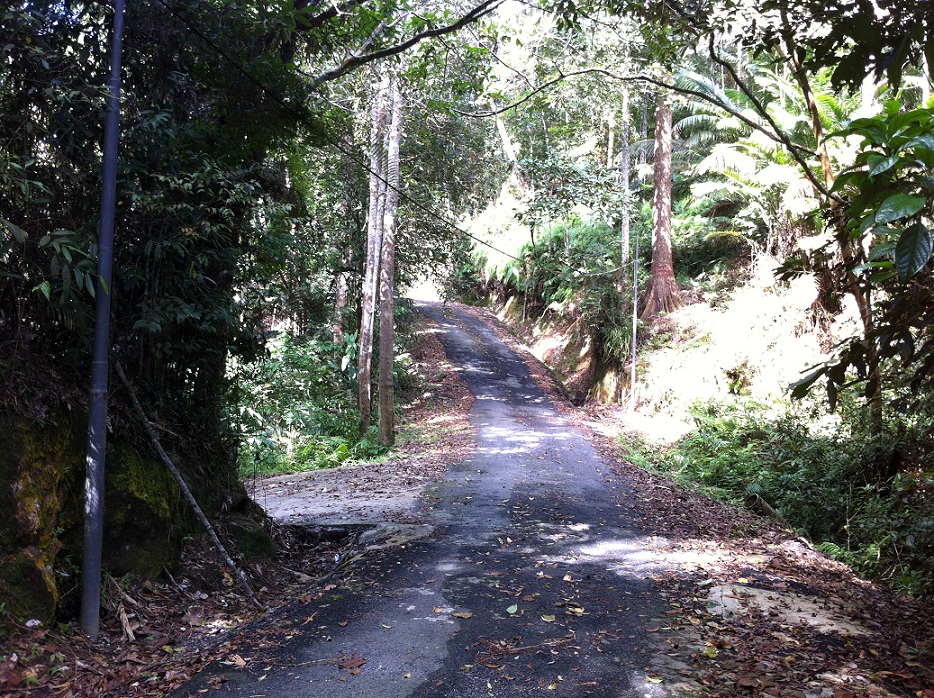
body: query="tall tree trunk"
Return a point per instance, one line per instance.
(610, 137)
(662, 293)
(387, 420)
(342, 290)
(509, 148)
(643, 126)
(373, 247)
(342, 296)
(340, 307)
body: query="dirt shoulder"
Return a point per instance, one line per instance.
(155, 634)
(754, 610)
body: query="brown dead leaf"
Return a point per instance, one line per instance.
(352, 663)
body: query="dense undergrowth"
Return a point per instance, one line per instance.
(296, 407)
(865, 499)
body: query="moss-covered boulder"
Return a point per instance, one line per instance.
(41, 464)
(42, 513)
(143, 514)
(250, 531)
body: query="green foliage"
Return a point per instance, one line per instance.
(296, 410)
(889, 189)
(465, 280)
(866, 499)
(701, 247)
(750, 179)
(578, 262)
(193, 193)
(855, 39)
(885, 223)
(559, 185)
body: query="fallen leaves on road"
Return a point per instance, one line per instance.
(790, 622)
(156, 635)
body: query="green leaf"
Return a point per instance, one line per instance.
(860, 268)
(880, 165)
(17, 232)
(913, 250)
(899, 206)
(800, 387)
(922, 142)
(854, 178)
(45, 289)
(512, 609)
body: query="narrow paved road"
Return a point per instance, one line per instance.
(536, 582)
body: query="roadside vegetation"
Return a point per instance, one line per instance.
(694, 207)
(863, 499)
(296, 408)
(724, 419)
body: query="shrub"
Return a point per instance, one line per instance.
(296, 409)
(828, 484)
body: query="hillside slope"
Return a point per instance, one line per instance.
(746, 344)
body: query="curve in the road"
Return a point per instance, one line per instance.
(538, 582)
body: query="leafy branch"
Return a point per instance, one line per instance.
(356, 60)
(778, 136)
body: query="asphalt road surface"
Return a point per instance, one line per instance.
(535, 582)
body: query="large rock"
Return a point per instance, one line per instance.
(40, 467)
(42, 513)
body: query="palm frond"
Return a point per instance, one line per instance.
(688, 79)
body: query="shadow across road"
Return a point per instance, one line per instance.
(537, 581)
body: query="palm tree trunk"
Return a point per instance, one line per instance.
(662, 293)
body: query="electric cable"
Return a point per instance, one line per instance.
(303, 118)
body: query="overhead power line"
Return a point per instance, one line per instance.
(303, 118)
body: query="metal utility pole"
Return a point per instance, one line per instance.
(635, 325)
(97, 414)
